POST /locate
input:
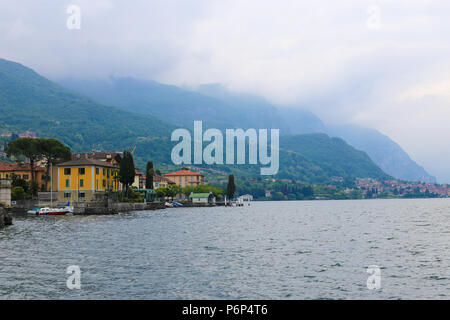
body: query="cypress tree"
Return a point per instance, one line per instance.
(231, 187)
(149, 175)
(127, 170)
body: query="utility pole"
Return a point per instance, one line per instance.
(51, 185)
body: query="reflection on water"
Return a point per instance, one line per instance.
(270, 250)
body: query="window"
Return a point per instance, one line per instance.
(96, 184)
(104, 183)
(67, 183)
(104, 171)
(109, 172)
(67, 171)
(81, 171)
(66, 194)
(81, 195)
(81, 183)
(6, 176)
(97, 171)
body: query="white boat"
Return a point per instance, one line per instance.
(51, 211)
(169, 205)
(33, 211)
(46, 211)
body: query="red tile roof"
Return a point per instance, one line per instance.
(18, 167)
(183, 173)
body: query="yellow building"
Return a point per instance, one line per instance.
(185, 178)
(7, 170)
(161, 182)
(86, 180)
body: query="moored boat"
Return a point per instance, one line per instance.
(52, 211)
(177, 204)
(33, 211)
(169, 205)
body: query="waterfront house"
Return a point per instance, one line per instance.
(161, 182)
(86, 180)
(139, 180)
(202, 198)
(22, 170)
(185, 178)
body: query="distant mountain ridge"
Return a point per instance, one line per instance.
(220, 108)
(31, 102)
(383, 151)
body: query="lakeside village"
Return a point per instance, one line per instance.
(43, 172)
(38, 172)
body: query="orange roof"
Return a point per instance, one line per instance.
(183, 173)
(17, 167)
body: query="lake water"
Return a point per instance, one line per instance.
(269, 250)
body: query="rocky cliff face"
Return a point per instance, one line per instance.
(5, 218)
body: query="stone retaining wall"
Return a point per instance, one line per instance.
(115, 207)
(5, 218)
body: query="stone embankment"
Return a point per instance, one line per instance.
(114, 207)
(5, 218)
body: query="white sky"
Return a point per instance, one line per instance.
(383, 64)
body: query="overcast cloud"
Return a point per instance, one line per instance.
(329, 56)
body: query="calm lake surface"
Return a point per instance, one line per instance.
(269, 250)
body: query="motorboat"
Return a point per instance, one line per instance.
(46, 211)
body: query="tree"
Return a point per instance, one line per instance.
(19, 182)
(127, 170)
(52, 151)
(173, 190)
(231, 187)
(150, 172)
(17, 193)
(29, 148)
(187, 190)
(161, 192)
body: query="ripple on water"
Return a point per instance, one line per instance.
(278, 250)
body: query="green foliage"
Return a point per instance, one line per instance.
(18, 193)
(161, 192)
(133, 196)
(173, 190)
(150, 172)
(50, 150)
(334, 157)
(28, 101)
(31, 102)
(127, 170)
(203, 188)
(29, 148)
(231, 187)
(19, 182)
(289, 190)
(53, 151)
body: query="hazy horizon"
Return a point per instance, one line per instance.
(383, 65)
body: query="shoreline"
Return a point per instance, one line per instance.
(5, 218)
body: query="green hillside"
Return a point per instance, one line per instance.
(29, 102)
(333, 155)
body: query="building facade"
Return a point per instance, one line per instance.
(161, 182)
(86, 180)
(8, 170)
(185, 178)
